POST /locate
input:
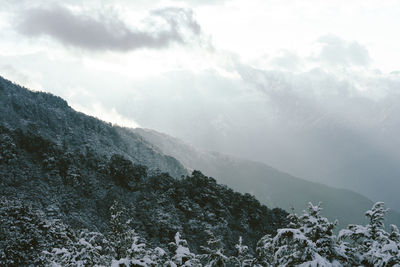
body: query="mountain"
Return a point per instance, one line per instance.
(76, 189)
(52, 118)
(272, 187)
(62, 172)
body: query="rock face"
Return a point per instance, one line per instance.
(272, 187)
(53, 119)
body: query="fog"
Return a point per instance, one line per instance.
(313, 125)
(309, 91)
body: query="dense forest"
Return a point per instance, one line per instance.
(76, 191)
(77, 209)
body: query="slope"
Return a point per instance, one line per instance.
(79, 190)
(270, 186)
(59, 165)
(53, 119)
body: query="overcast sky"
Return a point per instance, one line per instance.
(310, 87)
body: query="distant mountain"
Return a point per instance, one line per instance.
(272, 187)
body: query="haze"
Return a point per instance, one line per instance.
(308, 87)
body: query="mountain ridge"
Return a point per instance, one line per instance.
(53, 118)
(52, 174)
(272, 187)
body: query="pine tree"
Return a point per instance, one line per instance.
(319, 230)
(182, 255)
(308, 240)
(137, 253)
(8, 149)
(85, 249)
(160, 257)
(214, 253)
(242, 257)
(264, 252)
(371, 245)
(23, 233)
(121, 235)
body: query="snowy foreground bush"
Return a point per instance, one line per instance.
(308, 241)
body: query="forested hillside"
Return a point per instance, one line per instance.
(75, 191)
(52, 118)
(79, 188)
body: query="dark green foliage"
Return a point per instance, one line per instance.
(214, 252)
(50, 117)
(125, 173)
(74, 167)
(80, 187)
(20, 233)
(25, 232)
(62, 171)
(7, 148)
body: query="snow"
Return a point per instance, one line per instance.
(118, 263)
(318, 261)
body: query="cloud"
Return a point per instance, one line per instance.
(336, 129)
(287, 60)
(10, 72)
(107, 114)
(176, 25)
(336, 51)
(315, 124)
(207, 2)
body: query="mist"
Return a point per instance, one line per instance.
(315, 125)
(317, 98)
(199, 133)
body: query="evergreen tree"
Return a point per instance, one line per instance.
(214, 253)
(308, 240)
(181, 253)
(371, 245)
(242, 257)
(264, 252)
(85, 249)
(319, 230)
(23, 232)
(8, 149)
(121, 235)
(137, 254)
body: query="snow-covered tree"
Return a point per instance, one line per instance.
(86, 249)
(126, 246)
(121, 235)
(214, 253)
(182, 255)
(319, 230)
(264, 252)
(137, 254)
(160, 257)
(371, 245)
(309, 240)
(25, 233)
(242, 257)
(7, 149)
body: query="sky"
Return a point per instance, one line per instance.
(309, 87)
